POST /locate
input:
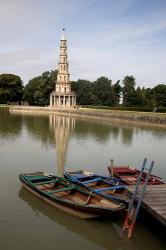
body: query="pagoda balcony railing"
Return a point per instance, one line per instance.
(63, 93)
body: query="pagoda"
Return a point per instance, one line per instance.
(62, 96)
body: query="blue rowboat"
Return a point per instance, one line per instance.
(108, 187)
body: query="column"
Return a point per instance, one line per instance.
(50, 100)
(59, 101)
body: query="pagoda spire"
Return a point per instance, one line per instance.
(63, 37)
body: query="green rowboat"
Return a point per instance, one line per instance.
(69, 197)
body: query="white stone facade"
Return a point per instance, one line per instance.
(63, 96)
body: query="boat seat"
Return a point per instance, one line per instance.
(111, 181)
(77, 176)
(45, 182)
(37, 177)
(82, 177)
(93, 180)
(61, 190)
(108, 188)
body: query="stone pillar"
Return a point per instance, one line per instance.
(50, 100)
(59, 100)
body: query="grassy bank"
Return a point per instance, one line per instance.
(120, 108)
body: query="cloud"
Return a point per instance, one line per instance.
(28, 63)
(113, 39)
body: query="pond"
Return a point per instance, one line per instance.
(32, 142)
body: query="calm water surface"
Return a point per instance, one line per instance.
(52, 143)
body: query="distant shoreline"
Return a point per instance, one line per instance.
(114, 115)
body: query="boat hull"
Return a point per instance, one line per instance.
(68, 210)
(102, 184)
(78, 210)
(129, 175)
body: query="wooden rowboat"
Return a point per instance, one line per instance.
(71, 198)
(108, 187)
(129, 175)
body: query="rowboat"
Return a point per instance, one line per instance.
(129, 175)
(108, 187)
(68, 197)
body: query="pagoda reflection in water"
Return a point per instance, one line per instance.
(63, 127)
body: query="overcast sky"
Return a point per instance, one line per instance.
(110, 38)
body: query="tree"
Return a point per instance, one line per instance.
(117, 92)
(11, 88)
(103, 90)
(160, 95)
(139, 99)
(150, 100)
(38, 89)
(129, 91)
(83, 89)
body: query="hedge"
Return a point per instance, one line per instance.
(141, 109)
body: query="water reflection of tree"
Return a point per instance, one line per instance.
(55, 131)
(127, 135)
(10, 126)
(99, 130)
(155, 131)
(38, 128)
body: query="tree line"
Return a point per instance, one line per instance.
(101, 92)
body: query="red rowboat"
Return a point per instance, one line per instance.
(129, 175)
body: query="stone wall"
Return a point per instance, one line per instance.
(130, 116)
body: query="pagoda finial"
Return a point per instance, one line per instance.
(63, 37)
